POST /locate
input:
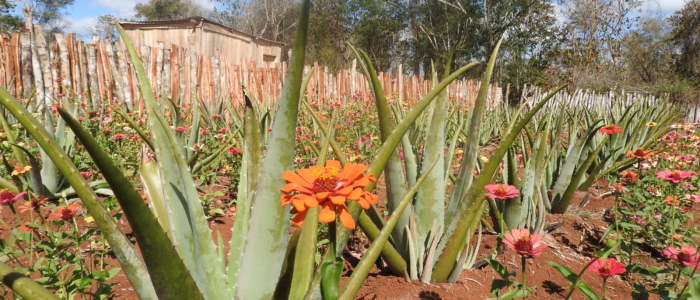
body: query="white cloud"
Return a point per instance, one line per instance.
(663, 6)
(81, 26)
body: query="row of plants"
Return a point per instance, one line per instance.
(312, 162)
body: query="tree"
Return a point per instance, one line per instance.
(49, 14)
(686, 36)
(159, 10)
(377, 27)
(328, 33)
(9, 23)
(105, 27)
(270, 19)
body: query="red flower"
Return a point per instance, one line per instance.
(7, 197)
(86, 174)
(607, 267)
(501, 191)
(33, 204)
(610, 129)
(523, 242)
(65, 213)
(675, 176)
(234, 151)
(687, 255)
(639, 154)
(671, 200)
(630, 176)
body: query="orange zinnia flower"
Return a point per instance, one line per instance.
(639, 154)
(329, 187)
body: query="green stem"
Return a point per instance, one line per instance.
(689, 279)
(523, 261)
(578, 276)
(605, 285)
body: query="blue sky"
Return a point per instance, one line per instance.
(82, 15)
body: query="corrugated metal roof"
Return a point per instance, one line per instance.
(194, 20)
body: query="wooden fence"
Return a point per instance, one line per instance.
(33, 67)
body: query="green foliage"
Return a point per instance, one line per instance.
(159, 10)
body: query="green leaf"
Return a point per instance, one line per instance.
(190, 235)
(170, 277)
(268, 236)
(515, 293)
(331, 269)
(352, 286)
(134, 268)
(499, 268)
(566, 272)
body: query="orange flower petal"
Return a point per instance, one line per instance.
(310, 201)
(327, 214)
(344, 191)
(338, 200)
(298, 203)
(346, 218)
(333, 163)
(292, 177)
(356, 193)
(322, 195)
(308, 176)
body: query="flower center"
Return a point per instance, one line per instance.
(523, 244)
(326, 179)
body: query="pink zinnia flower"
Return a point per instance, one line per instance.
(501, 191)
(675, 176)
(182, 129)
(607, 267)
(523, 242)
(687, 255)
(693, 197)
(118, 137)
(7, 197)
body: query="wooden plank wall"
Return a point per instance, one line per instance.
(101, 71)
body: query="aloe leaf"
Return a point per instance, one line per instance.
(146, 139)
(170, 277)
(132, 265)
(573, 158)
(191, 234)
(393, 172)
(250, 168)
(152, 185)
(194, 130)
(8, 185)
(469, 211)
(429, 203)
(11, 139)
(268, 236)
(562, 205)
(23, 285)
(353, 284)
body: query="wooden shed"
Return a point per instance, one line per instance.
(207, 38)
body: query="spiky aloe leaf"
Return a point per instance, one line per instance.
(171, 279)
(469, 211)
(132, 265)
(353, 284)
(250, 168)
(560, 206)
(268, 236)
(430, 199)
(191, 235)
(23, 285)
(153, 187)
(393, 172)
(573, 159)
